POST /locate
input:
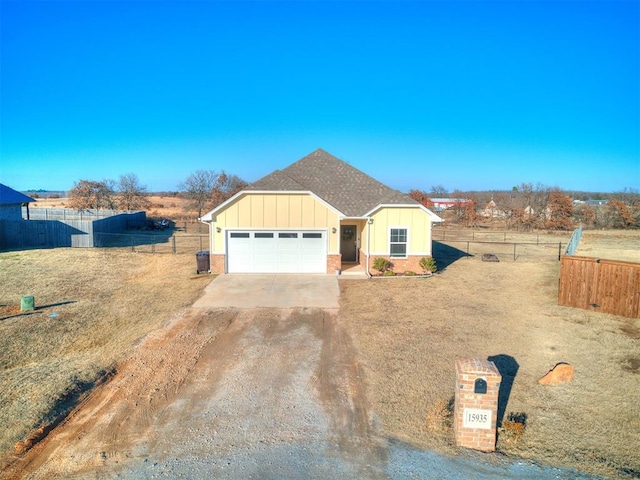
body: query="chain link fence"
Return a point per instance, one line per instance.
(452, 244)
(154, 242)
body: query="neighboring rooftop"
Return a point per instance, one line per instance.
(9, 196)
(352, 192)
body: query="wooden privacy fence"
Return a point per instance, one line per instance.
(607, 286)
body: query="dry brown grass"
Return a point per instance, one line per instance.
(611, 244)
(409, 332)
(92, 307)
(165, 206)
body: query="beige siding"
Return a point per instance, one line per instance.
(417, 222)
(277, 211)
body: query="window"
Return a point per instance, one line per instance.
(287, 235)
(239, 235)
(311, 235)
(398, 242)
(263, 235)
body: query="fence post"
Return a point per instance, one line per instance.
(559, 250)
(467, 247)
(514, 251)
(174, 243)
(132, 247)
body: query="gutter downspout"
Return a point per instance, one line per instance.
(366, 268)
(209, 224)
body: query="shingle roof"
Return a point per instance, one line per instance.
(9, 196)
(346, 188)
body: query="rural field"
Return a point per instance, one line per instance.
(94, 307)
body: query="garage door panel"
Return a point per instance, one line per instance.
(276, 252)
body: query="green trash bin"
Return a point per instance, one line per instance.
(27, 303)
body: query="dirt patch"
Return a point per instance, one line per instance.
(631, 364)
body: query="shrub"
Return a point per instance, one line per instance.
(409, 273)
(381, 264)
(428, 264)
(388, 273)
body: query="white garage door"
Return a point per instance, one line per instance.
(276, 252)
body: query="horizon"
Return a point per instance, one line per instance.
(473, 96)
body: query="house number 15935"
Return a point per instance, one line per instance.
(477, 418)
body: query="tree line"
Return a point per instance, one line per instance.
(525, 207)
(528, 207)
(204, 190)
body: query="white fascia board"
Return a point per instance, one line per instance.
(208, 217)
(433, 216)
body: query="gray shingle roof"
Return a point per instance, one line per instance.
(9, 196)
(346, 188)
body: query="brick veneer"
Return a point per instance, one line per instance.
(334, 262)
(216, 263)
(467, 372)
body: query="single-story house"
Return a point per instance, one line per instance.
(11, 202)
(314, 216)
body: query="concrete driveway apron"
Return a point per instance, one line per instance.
(271, 291)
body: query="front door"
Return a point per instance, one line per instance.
(348, 243)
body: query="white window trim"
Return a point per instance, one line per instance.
(406, 254)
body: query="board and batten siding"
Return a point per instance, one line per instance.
(417, 222)
(275, 211)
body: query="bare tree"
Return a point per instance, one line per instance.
(207, 189)
(438, 191)
(131, 194)
(585, 215)
(226, 187)
(90, 194)
(197, 189)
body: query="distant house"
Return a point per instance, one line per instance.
(440, 204)
(11, 203)
(314, 216)
(492, 210)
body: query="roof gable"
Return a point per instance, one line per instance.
(9, 196)
(352, 192)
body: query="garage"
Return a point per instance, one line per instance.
(276, 251)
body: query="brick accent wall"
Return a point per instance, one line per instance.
(334, 262)
(474, 431)
(216, 263)
(400, 265)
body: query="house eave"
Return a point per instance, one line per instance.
(434, 218)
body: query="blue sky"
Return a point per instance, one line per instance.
(470, 95)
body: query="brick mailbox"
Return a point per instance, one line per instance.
(476, 408)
